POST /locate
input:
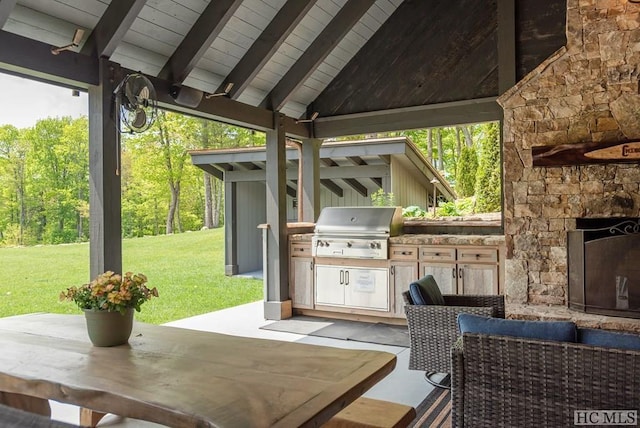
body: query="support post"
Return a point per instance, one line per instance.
(310, 195)
(230, 229)
(105, 203)
(277, 304)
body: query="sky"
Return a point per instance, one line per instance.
(23, 102)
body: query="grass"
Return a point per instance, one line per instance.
(187, 269)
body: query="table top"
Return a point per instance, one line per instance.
(181, 377)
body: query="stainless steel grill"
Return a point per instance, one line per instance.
(356, 232)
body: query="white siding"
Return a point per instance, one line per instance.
(406, 189)
(252, 211)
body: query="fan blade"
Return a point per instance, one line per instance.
(140, 120)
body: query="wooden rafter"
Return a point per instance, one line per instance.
(113, 25)
(321, 47)
(265, 46)
(332, 187)
(198, 39)
(352, 182)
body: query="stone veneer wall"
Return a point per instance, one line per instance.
(587, 91)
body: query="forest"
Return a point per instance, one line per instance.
(44, 175)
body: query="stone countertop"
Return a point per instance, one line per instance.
(424, 239)
(427, 239)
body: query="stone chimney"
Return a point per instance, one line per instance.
(587, 92)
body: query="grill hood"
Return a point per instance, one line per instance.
(365, 221)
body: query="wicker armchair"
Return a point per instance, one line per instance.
(501, 381)
(433, 329)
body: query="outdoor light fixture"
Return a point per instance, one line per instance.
(75, 42)
(434, 181)
(185, 96)
(226, 91)
(313, 117)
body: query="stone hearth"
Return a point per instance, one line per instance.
(586, 92)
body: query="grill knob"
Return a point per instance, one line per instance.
(372, 245)
(349, 244)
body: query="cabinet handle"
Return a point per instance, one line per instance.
(341, 276)
(460, 273)
(311, 266)
(453, 272)
(346, 276)
(393, 270)
(437, 254)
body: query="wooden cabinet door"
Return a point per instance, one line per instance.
(445, 275)
(329, 288)
(478, 278)
(401, 275)
(301, 284)
(367, 288)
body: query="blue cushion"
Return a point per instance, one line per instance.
(425, 291)
(559, 331)
(609, 339)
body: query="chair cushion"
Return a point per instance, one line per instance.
(425, 291)
(559, 331)
(609, 339)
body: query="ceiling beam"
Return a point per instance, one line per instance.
(225, 110)
(213, 171)
(319, 49)
(6, 6)
(198, 40)
(419, 117)
(113, 25)
(30, 57)
(265, 46)
(506, 45)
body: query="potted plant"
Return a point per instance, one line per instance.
(108, 303)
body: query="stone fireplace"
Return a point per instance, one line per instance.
(587, 92)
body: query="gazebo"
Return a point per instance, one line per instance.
(300, 69)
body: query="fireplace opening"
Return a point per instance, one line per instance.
(603, 257)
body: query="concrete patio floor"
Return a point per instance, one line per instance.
(401, 386)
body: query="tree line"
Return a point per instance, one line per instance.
(44, 178)
(44, 175)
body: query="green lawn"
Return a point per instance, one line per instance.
(187, 269)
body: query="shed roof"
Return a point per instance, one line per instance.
(355, 164)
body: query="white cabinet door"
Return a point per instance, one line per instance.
(367, 288)
(330, 285)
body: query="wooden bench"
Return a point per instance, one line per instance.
(370, 413)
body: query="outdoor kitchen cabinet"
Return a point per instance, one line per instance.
(461, 270)
(403, 270)
(301, 275)
(354, 287)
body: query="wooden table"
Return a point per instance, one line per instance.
(181, 377)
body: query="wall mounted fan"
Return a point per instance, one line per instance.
(136, 102)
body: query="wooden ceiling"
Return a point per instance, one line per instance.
(362, 65)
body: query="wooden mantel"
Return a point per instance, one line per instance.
(587, 153)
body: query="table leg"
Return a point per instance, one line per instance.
(26, 402)
(90, 418)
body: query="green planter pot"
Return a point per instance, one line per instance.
(107, 328)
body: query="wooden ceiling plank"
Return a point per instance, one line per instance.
(112, 27)
(198, 40)
(319, 49)
(261, 51)
(6, 6)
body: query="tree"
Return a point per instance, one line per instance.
(13, 152)
(466, 172)
(488, 179)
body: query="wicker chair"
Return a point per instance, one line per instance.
(433, 329)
